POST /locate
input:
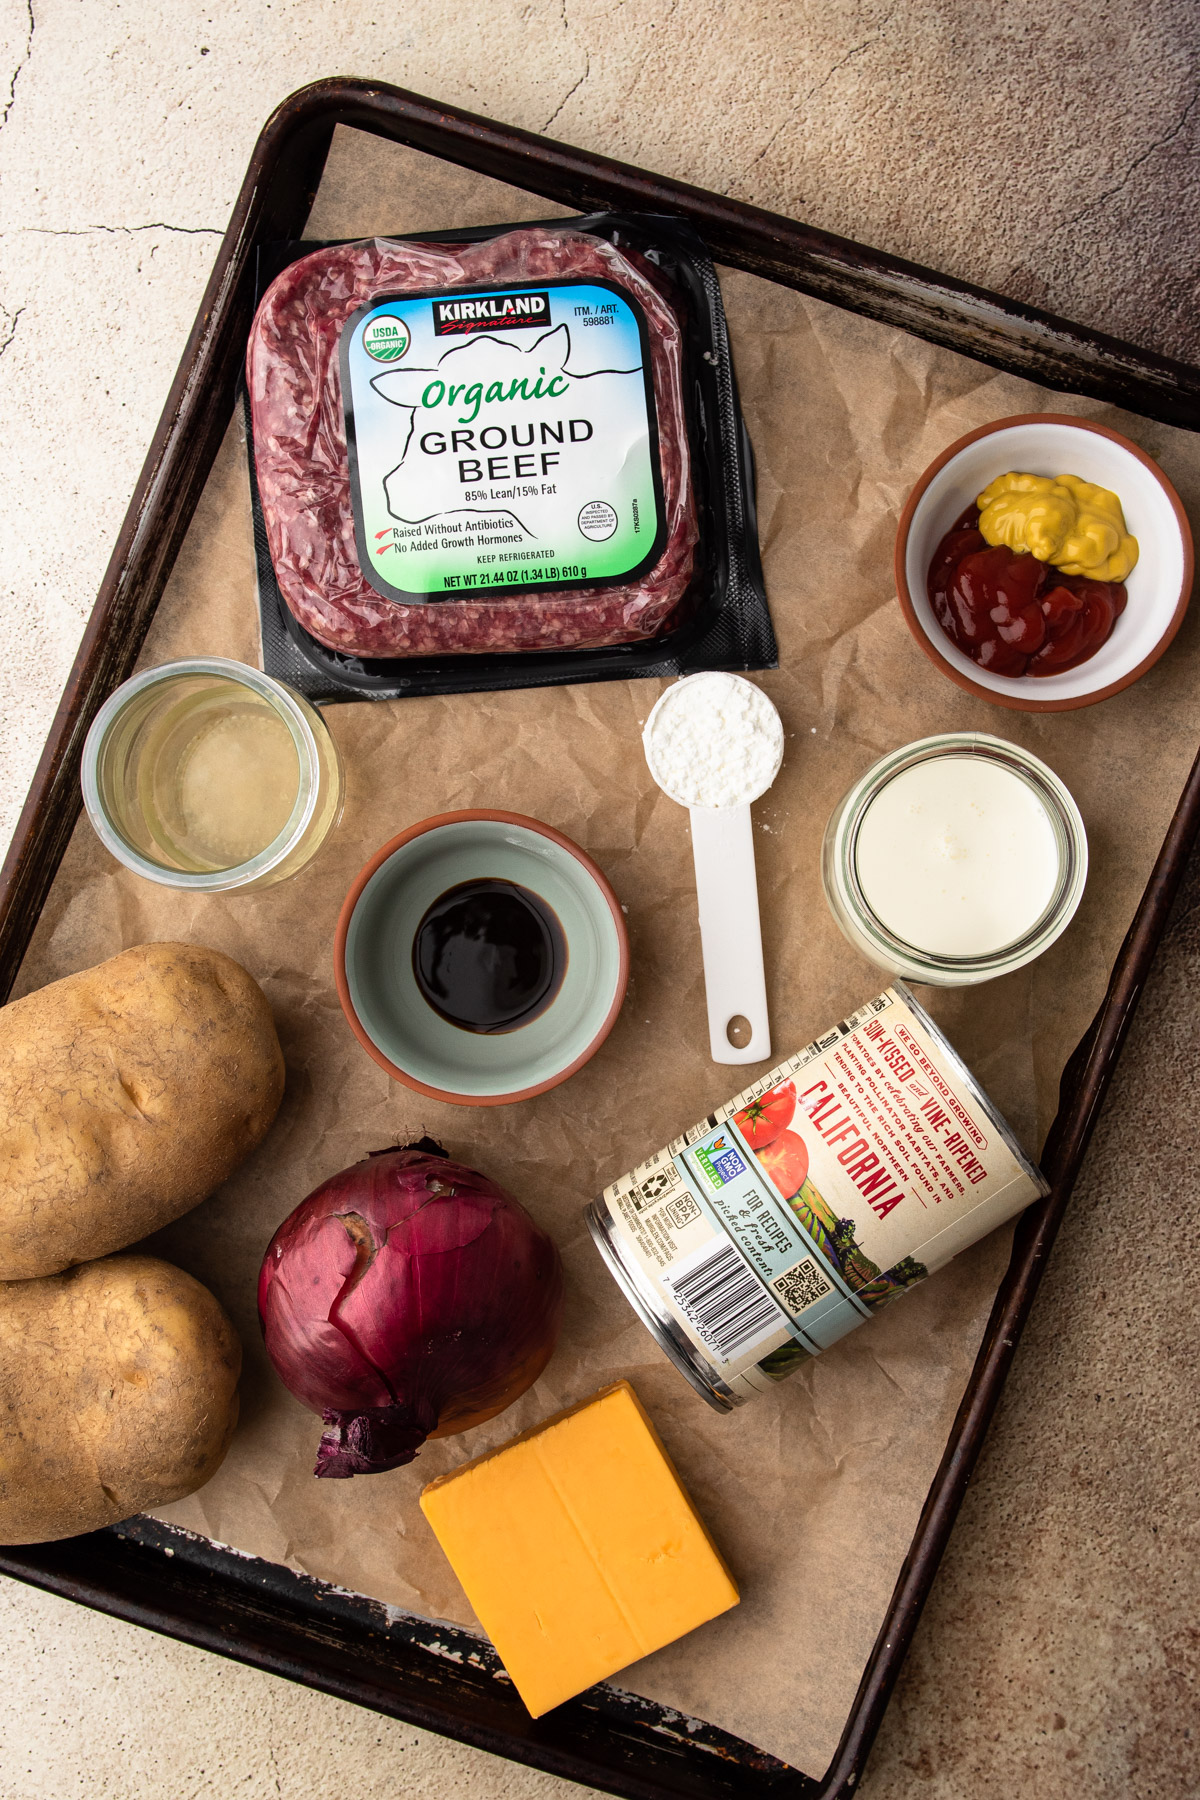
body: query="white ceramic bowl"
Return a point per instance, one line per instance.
(1159, 586)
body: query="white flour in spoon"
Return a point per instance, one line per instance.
(714, 740)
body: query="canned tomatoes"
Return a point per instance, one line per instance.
(775, 1226)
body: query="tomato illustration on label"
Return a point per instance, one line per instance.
(785, 1160)
(761, 1122)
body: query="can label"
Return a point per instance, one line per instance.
(836, 1182)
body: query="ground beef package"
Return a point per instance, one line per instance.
(500, 458)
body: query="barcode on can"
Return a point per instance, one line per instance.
(726, 1302)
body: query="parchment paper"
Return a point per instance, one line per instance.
(813, 1492)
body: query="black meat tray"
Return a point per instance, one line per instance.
(727, 624)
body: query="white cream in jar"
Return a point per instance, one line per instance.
(957, 856)
(955, 859)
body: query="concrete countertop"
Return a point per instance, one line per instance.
(1050, 154)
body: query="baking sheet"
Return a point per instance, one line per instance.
(812, 1492)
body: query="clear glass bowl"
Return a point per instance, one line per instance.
(862, 925)
(208, 775)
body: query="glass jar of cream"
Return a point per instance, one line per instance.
(209, 775)
(955, 859)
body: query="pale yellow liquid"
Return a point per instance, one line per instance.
(206, 775)
(235, 785)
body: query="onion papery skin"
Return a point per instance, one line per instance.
(407, 1297)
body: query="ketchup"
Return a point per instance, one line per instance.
(1012, 614)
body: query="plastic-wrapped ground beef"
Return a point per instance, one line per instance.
(517, 475)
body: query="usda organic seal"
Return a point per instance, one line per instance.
(386, 338)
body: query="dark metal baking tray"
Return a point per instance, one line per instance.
(265, 1615)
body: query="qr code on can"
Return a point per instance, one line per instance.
(801, 1285)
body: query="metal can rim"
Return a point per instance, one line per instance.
(663, 1330)
(977, 1091)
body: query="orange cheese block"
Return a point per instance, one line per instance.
(578, 1548)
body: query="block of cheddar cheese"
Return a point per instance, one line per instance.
(578, 1547)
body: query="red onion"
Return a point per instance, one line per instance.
(408, 1297)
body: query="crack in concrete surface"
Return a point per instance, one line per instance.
(12, 327)
(587, 69)
(17, 72)
(1118, 187)
(867, 44)
(651, 47)
(116, 230)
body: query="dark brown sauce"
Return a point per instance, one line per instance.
(489, 956)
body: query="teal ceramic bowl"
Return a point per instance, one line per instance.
(373, 958)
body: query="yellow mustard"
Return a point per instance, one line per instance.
(1072, 524)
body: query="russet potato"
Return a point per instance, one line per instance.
(118, 1391)
(128, 1093)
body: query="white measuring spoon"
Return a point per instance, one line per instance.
(714, 743)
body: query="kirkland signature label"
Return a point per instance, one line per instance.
(501, 437)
